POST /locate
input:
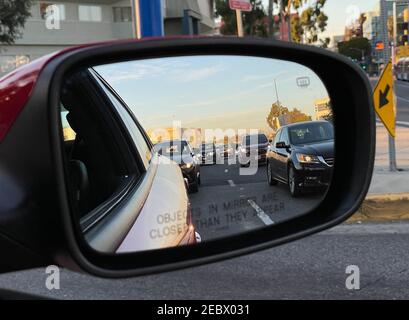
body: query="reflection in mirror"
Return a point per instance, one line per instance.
(174, 151)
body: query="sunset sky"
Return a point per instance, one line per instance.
(226, 92)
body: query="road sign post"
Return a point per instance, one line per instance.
(239, 18)
(239, 6)
(385, 107)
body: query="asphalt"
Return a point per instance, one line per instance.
(402, 94)
(311, 268)
(230, 202)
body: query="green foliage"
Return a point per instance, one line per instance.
(353, 48)
(13, 15)
(254, 22)
(311, 21)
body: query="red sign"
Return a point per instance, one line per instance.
(379, 45)
(243, 5)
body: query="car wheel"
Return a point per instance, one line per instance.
(271, 180)
(295, 190)
(194, 187)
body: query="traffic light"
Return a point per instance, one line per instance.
(379, 45)
(364, 66)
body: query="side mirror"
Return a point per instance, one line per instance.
(281, 145)
(144, 214)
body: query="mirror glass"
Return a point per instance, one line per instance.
(174, 151)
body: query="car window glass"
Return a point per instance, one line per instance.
(310, 133)
(277, 137)
(68, 133)
(261, 138)
(284, 137)
(137, 137)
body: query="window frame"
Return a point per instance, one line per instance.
(89, 6)
(121, 14)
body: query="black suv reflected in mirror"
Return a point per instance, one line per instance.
(303, 158)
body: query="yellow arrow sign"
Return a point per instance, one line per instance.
(385, 101)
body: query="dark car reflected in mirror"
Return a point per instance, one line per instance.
(231, 144)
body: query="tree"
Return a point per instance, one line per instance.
(325, 42)
(297, 116)
(292, 116)
(310, 21)
(355, 47)
(13, 15)
(254, 22)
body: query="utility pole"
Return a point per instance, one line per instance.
(136, 21)
(392, 147)
(239, 18)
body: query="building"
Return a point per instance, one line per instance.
(333, 46)
(97, 20)
(322, 109)
(372, 31)
(386, 18)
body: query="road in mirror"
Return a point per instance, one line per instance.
(239, 143)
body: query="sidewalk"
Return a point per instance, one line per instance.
(384, 181)
(388, 196)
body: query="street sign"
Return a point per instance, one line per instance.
(243, 5)
(385, 101)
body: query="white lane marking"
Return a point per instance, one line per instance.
(404, 99)
(231, 183)
(261, 214)
(227, 170)
(402, 123)
(398, 123)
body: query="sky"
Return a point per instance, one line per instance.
(211, 92)
(340, 12)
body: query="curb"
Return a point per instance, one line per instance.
(383, 207)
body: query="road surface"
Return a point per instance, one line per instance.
(230, 202)
(311, 268)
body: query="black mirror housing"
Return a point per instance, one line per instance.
(57, 237)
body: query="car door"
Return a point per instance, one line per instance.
(282, 155)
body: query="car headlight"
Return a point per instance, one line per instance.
(306, 158)
(187, 165)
